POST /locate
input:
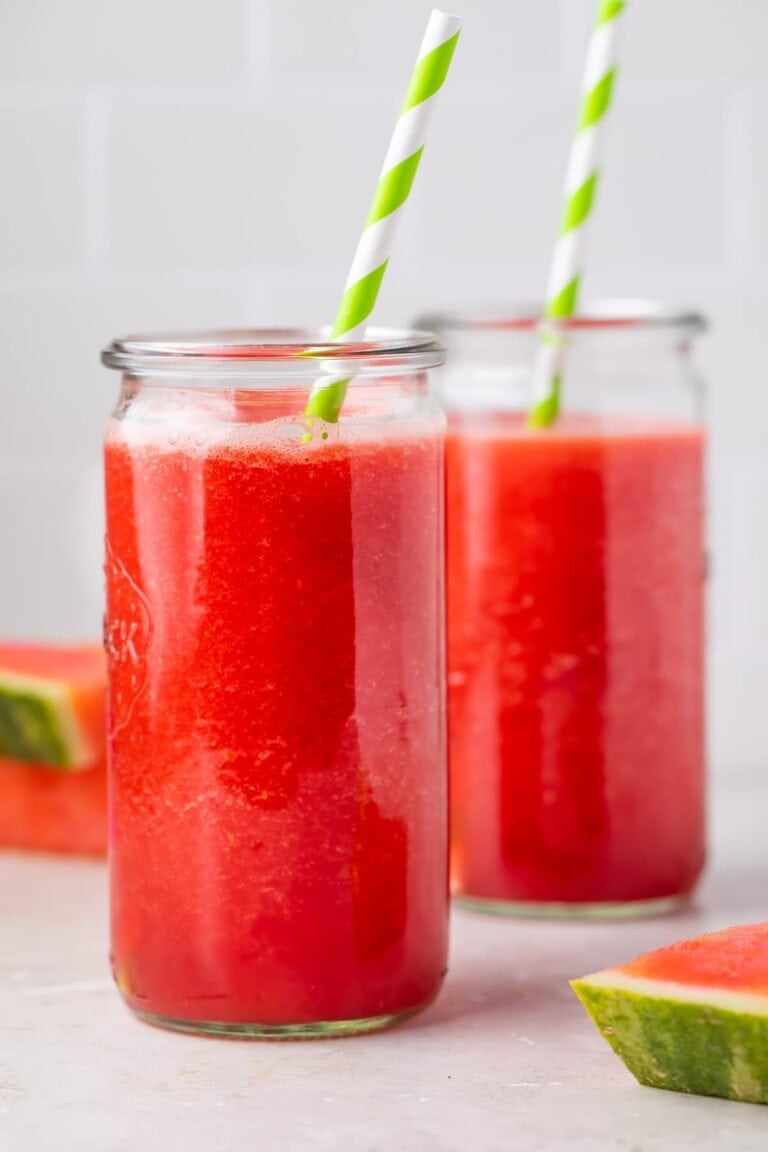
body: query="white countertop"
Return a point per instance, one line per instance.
(505, 1059)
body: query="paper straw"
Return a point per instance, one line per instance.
(580, 188)
(392, 190)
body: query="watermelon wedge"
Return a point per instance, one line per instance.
(692, 1017)
(52, 705)
(53, 774)
(58, 812)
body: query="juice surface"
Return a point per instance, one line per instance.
(276, 723)
(575, 634)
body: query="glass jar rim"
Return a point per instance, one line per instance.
(609, 314)
(291, 353)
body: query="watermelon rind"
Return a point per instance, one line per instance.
(683, 1038)
(38, 724)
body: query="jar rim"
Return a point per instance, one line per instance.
(613, 314)
(284, 352)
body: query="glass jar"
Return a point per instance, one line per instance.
(576, 614)
(274, 629)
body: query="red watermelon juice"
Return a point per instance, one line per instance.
(575, 592)
(279, 854)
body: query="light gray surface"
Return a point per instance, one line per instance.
(504, 1061)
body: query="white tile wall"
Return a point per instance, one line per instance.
(80, 41)
(241, 184)
(176, 163)
(697, 41)
(663, 196)
(343, 40)
(42, 205)
(756, 163)
(505, 216)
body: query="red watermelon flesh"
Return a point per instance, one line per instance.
(44, 811)
(734, 959)
(692, 1017)
(58, 806)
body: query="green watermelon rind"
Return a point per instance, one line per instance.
(37, 723)
(704, 1041)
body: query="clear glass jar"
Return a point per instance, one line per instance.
(576, 614)
(274, 629)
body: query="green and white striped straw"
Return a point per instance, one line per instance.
(580, 188)
(392, 190)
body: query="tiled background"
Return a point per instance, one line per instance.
(167, 162)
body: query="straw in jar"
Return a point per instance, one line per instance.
(581, 182)
(392, 191)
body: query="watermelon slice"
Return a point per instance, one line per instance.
(692, 1017)
(52, 706)
(53, 775)
(63, 812)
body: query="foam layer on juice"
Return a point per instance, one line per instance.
(200, 419)
(572, 426)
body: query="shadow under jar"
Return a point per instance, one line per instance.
(274, 630)
(576, 615)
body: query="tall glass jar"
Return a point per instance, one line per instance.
(274, 629)
(575, 614)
